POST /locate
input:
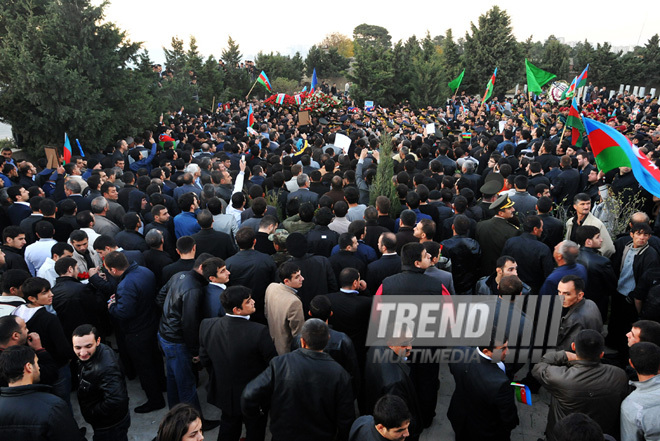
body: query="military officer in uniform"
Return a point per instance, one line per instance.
(493, 233)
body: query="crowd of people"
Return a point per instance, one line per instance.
(255, 255)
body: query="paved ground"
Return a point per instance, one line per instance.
(145, 426)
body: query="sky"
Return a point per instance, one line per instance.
(295, 25)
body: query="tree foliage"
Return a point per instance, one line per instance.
(372, 75)
(555, 57)
(373, 36)
(328, 63)
(488, 45)
(232, 55)
(383, 185)
(64, 70)
(429, 80)
(341, 42)
(280, 66)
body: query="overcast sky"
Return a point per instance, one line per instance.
(294, 25)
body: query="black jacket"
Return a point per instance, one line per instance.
(34, 413)
(553, 230)
(412, 281)
(156, 261)
(216, 243)
(347, 259)
(169, 243)
(341, 349)
(649, 295)
(182, 312)
(534, 258)
(602, 281)
(378, 270)
(135, 306)
(464, 253)
(256, 271)
(321, 240)
(14, 259)
(102, 389)
(235, 351)
(307, 387)
(319, 278)
(386, 374)
(77, 304)
(482, 406)
(645, 259)
(566, 186)
(131, 240)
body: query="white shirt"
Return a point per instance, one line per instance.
(246, 317)
(500, 364)
(37, 253)
(47, 271)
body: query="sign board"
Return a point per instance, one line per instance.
(303, 118)
(52, 157)
(343, 142)
(369, 106)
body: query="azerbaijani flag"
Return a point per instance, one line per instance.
(582, 79)
(523, 394)
(263, 79)
(67, 153)
(574, 121)
(489, 87)
(298, 99)
(312, 88)
(304, 89)
(250, 118)
(577, 82)
(611, 150)
(280, 98)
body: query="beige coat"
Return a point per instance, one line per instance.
(607, 249)
(284, 312)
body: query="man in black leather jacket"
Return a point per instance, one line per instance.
(307, 387)
(30, 411)
(102, 389)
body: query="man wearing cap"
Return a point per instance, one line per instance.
(493, 233)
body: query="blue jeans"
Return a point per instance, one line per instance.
(181, 383)
(62, 387)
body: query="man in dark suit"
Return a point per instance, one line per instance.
(405, 234)
(553, 228)
(216, 272)
(210, 241)
(482, 406)
(155, 258)
(567, 183)
(20, 207)
(73, 192)
(388, 264)
(235, 350)
(253, 269)
(303, 194)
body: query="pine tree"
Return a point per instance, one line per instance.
(232, 55)
(429, 81)
(382, 184)
(489, 45)
(451, 57)
(64, 70)
(175, 58)
(372, 76)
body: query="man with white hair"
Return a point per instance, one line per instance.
(565, 254)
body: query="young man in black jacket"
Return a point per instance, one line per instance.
(102, 389)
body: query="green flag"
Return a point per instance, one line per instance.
(456, 83)
(536, 77)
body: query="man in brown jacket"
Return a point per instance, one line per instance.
(284, 310)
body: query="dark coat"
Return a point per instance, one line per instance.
(34, 413)
(52, 336)
(77, 304)
(373, 233)
(602, 281)
(102, 389)
(217, 243)
(182, 313)
(211, 306)
(534, 259)
(391, 376)
(583, 315)
(256, 271)
(411, 281)
(588, 387)
(566, 185)
(321, 240)
(134, 308)
(235, 351)
(464, 253)
(492, 234)
(319, 278)
(131, 240)
(169, 243)
(403, 236)
(18, 212)
(378, 270)
(156, 261)
(304, 195)
(553, 230)
(14, 259)
(176, 267)
(347, 259)
(350, 315)
(483, 394)
(340, 348)
(305, 386)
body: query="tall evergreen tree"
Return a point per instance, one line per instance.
(175, 58)
(451, 57)
(232, 54)
(555, 57)
(488, 45)
(372, 76)
(429, 85)
(64, 70)
(372, 35)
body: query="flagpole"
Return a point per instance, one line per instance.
(529, 97)
(213, 104)
(562, 135)
(255, 83)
